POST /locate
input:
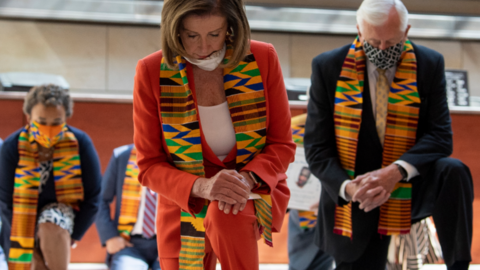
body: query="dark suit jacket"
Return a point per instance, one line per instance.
(91, 177)
(112, 185)
(434, 141)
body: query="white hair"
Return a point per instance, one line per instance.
(375, 12)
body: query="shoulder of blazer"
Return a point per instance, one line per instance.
(153, 60)
(426, 57)
(122, 151)
(12, 139)
(332, 60)
(328, 66)
(82, 137)
(262, 52)
(429, 63)
(259, 47)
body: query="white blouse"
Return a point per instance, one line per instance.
(218, 129)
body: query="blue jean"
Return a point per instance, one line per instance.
(3, 260)
(142, 256)
(3, 263)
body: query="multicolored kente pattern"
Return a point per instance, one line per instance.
(401, 127)
(192, 236)
(131, 196)
(246, 100)
(68, 187)
(298, 131)
(42, 139)
(307, 219)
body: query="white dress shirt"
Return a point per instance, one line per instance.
(372, 83)
(138, 228)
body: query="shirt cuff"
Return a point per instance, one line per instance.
(409, 168)
(342, 193)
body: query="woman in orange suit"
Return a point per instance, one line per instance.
(212, 130)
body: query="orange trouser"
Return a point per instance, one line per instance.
(230, 238)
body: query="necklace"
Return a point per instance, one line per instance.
(45, 153)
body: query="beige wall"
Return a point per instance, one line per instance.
(90, 57)
(457, 7)
(102, 58)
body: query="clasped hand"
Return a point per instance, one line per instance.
(374, 188)
(117, 243)
(230, 188)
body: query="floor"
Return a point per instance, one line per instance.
(99, 266)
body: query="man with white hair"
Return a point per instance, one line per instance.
(378, 136)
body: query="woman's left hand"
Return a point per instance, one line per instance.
(225, 207)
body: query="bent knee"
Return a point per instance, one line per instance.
(125, 262)
(455, 172)
(452, 165)
(52, 231)
(216, 219)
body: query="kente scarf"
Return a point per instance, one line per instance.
(68, 188)
(246, 100)
(131, 196)
(400, 134)
(307, 219)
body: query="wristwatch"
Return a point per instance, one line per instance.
(403, 172)
(254, 177)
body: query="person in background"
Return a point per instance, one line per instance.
(213, 137)
(378, 136)
(303, 253)
(130, 237)
(3, 262)
(49, 183)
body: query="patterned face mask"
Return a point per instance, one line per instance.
(383, 59)
(46, 136)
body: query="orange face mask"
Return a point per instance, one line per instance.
(47, 136)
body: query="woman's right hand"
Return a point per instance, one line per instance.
(226, 186)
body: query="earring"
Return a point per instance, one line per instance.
(230, 35)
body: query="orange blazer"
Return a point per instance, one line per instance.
(173, 185)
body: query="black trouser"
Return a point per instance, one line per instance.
(374, 257)
(322, 261)
(446, 194)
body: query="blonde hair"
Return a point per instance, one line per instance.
(174, 11)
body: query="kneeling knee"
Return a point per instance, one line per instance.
(216, 219)
(452, 166)
(51, 231)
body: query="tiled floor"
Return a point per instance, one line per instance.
(99, 266)
(443, 267)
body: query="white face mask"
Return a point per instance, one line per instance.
(210, 63)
